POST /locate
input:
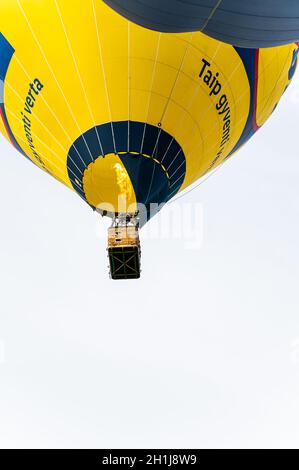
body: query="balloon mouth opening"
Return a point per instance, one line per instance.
(118, 166)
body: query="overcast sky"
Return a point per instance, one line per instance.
(202, 352)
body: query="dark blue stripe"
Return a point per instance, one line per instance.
(248, 58)
(252, 24)
(7, 51)
(6, 54)
(149, 178)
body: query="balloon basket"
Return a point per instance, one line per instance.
(124, 251)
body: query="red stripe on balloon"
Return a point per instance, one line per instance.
(6, 127)
(256, 77)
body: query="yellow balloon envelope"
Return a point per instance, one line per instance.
(124, 115)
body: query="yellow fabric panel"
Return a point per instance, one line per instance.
(95, 66)
(274, 65)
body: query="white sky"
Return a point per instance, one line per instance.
(202, 352)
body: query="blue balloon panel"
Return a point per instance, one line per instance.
(253, 23)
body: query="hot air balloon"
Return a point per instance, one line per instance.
(258, 23)
(125, 116)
